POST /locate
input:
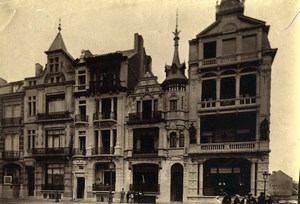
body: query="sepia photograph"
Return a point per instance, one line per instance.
(149, 101)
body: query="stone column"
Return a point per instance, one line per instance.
(200, 178)
(253, 177)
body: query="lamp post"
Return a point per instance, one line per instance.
(265, 177)
(57, 183)
(111, 167)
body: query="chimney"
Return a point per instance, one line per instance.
(38, 69)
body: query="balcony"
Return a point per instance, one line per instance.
(232, 59)
(145, 152)
(57, 151)
(81, 119)
(11, 121)
(102, 187)
(103, 150)
(54, 115)
(104, 116)
(228, 147)
(79, 152)
(153, 117)
(106, 86)
(242, 101)
(145, 188)
(12, 155)
(53, 187)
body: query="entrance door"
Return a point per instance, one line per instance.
(176, 182)
(30, 184)
(80, 187)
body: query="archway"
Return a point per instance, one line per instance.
(176, 182)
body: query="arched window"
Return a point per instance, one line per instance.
(173, 139)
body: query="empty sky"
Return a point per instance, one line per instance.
(28, 27)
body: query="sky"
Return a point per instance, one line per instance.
(28, 27)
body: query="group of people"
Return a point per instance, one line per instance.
(247, 199)
(131, 196)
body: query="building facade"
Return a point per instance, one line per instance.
(92, 126)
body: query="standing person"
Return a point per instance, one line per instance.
(236, 199)
(245, 200)
(251, 200)
(122, 196)
(261, 198)
(268, 200)
(226, 199)
(127, 196)
(140, 196)
(131, 197)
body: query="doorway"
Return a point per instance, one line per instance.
(176, 182)
(80, 187)
(30, 184)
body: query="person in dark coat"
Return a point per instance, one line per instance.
(268, 200)
(251, 200)
(261, 198)
(236, 199)
(226, 199)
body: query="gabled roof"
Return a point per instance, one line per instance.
(245, 19)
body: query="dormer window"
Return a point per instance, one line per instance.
(54, 64)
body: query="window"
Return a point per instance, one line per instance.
(82, 107)
(173, 139)
(81, 79)
(82, 140)
(229, 47)
(31, 105)
(181, 140)
(209, 50)
(173, 105)
(208, 90)
(31, 139)
(248, 85)
(54, 64)
(12, 142)
(55, 103)
(54, 174)
(55, 138)
(138, 106)
(227, 88)
(249, 43)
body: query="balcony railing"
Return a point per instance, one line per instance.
(154, 116)
(11, 154)
(53, 187)
(154, 188)
(103, 150)
(144, 152)
(223, 103)
(56, 151)
(229, 59)
(53, 115)
(105, 116)
(78, 151)
(11, 121)
(79, 118)
(228, 147)
(102, 187)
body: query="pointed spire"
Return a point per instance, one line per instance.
(176, 42)
(58, 43)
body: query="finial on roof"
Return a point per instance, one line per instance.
(59, 25)
(176, 40)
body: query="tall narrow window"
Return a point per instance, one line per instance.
(81, 80)
(31, 105)
(249, 43)
(82, 108)
(82, 141)
(173, 139)
(12, 142)
(173, 105)
(31, 139)
(181, 140)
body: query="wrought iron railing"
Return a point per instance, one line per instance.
(81, 118)
(53, 115)
(142, 116)
(144, 187)
(11, 121)
(53, 186)
(11, 154)
(51, 151)
(102, 187)
(103, 150)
